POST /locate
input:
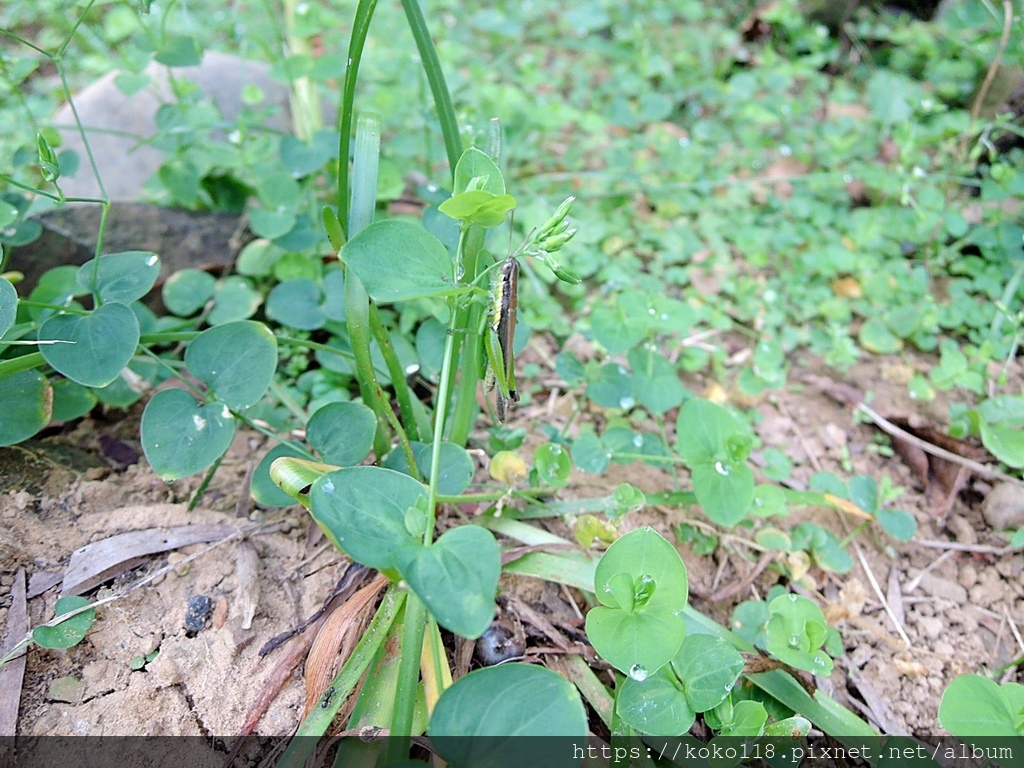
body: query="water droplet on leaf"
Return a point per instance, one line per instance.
(722, 468)
(638, 673)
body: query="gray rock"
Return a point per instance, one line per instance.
(1004, 507)
(116, 124)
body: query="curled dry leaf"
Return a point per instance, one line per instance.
(247, 567)
(336, 640)
(908, 666)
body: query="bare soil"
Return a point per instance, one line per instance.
(957, 604)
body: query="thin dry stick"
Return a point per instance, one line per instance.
(981, 549)
(881, 597)
(996, 60)
(1014, 629)
(800, 436)
(248, 531)
(915, 582)
(979, 469)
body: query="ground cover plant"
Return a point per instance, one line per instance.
(702, 202)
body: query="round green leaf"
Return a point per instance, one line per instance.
(70, 400)
(296, 303)
(612, 387)
(181, 437)
(899, 524)
(503, 702)
(342, 433)
(69, 632)
(973, 705)
(271, 224)
(589, 454)
(233, 299)
(102, 343)
(640, 630)
(645, 554)
(27, 405)
(456, 470)
(709, 668)
(363, 511)
(1006, 443)
(8, 304)
(725, 489)
(876, 337)
(399, 260)
(795, 631)
(257, 259)
(637, 644)
(475, 164)
(187, 291)
(456, 577)
(656, 705)
(121, 277)
(235, 360)
(553, 464)
(656, 384)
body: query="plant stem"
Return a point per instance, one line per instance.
(435, 76)
(408, 678)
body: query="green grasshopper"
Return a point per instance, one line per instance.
(500, 355)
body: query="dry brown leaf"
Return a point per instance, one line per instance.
(847, 288)
(12, 674)
(909, 667)
(336, 639)
(247, 566)
(943, 479)
(100, 561)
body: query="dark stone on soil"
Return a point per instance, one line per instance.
(197, 615)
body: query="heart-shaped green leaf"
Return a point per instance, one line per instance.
(477, 165)
(342, 432)
(236, 360)
(363, 511)
(456, 577)
(8, 305)
(121, 277)
(399, 260)
(655, 705)
(181, 437)
(533, 701)
(92, 349)
(69, 632)
(27, 405)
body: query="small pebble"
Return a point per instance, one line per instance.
(197, 614)
(1004, 507)
(497, 644)
(968, 576)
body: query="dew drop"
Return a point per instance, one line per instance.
(723, 469)
(411, 368)
(328, 486)
(199, 422)
(622, 370)
(225, 412)
(651, 311)
(638, 673)
(626, 403)
(728, 687)
(646, 579)
(460, 272)
(556, 450)
(638, 441)
(792, 598)
(153, 258)
(794, 641)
